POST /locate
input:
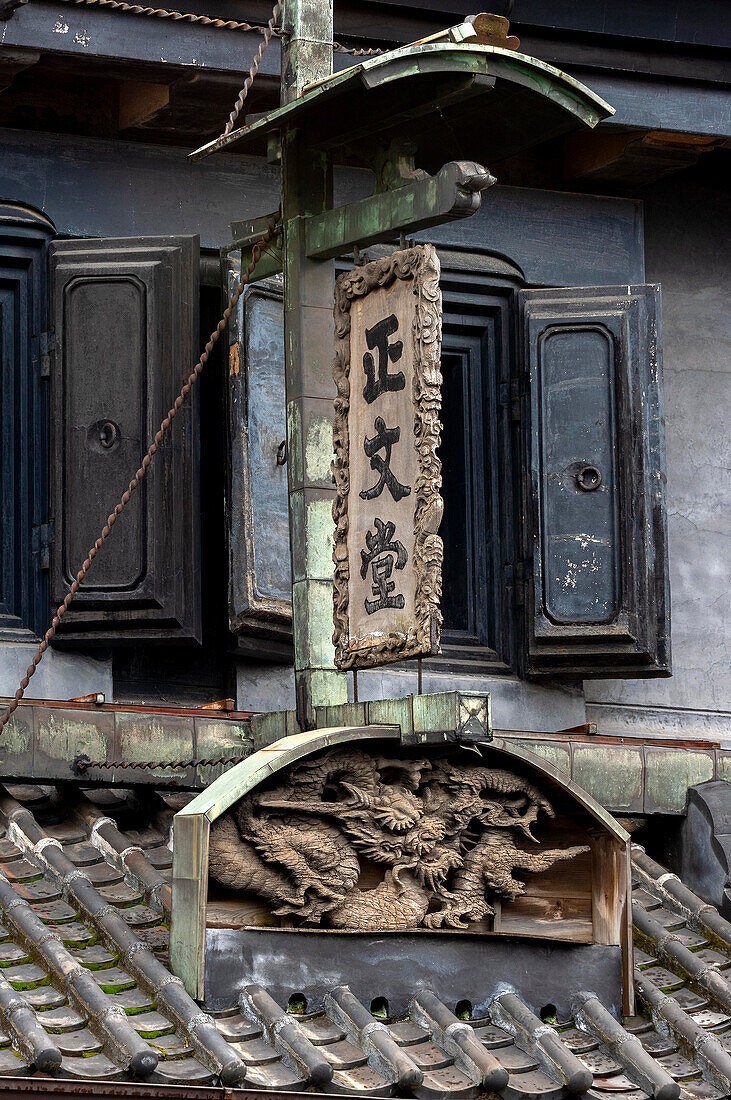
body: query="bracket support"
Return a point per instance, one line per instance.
(453, 193)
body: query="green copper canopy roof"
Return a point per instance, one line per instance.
(452, 101)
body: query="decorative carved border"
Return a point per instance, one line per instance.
(421, 264)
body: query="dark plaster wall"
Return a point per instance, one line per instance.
(93, 187)
(90, 187)
(687, 233)
(470, 967)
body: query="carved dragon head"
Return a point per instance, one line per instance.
(496, 797)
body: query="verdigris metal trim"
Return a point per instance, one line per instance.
(436, 57)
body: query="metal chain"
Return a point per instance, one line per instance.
(163, 13)
(356, 51)
(206, 21)
(253, 70)
(82, 763)
(152, 450)
(216, 24)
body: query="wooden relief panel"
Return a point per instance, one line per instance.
(360, 841)
(388, 507)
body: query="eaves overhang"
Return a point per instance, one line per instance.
(461, 101)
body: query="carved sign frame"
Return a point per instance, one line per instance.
(420, 265)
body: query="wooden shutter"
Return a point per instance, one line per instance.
(126, 327)
(24, 528)
(260, 586)
(595, 525)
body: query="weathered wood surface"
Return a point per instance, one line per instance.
(125, 314)
(388, 507)
(24, 528)
(260, 587)
(85, 33)
(453, 193)
(479, 828)
(560, 906)
(597, 598)
(192, 834)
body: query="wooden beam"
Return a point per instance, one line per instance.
(14, 60)
(632, 156)
(452, 193)
(141, 103)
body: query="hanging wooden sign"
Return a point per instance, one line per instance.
(388, 507)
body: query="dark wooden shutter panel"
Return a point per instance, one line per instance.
(260, 586)
(126, 326)
(24, 527)
(595, 524)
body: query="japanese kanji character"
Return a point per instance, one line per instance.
(383, 440)
(382, 554)
(381, 381)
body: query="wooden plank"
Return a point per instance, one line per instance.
(451, 194)
(656, 20)
(607, 888)
(124, 37)
(239, 913)
(557, 918)
(14, 61)
(574, 930)
(685, 106)
(141, 102)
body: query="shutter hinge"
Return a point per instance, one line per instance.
(47, 345)
(510, 398)
(42, 537)
(522, 572)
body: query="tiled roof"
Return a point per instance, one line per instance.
(85, 992)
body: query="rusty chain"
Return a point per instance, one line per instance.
(207, 21)
(253, 70)
(82, 763)
(268, 32)
(357, 51)
(163, 13)
(257, 250)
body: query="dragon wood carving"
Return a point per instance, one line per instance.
(444, 831)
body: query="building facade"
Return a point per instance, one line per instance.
(197, 891)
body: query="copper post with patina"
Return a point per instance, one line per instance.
(306, 192)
